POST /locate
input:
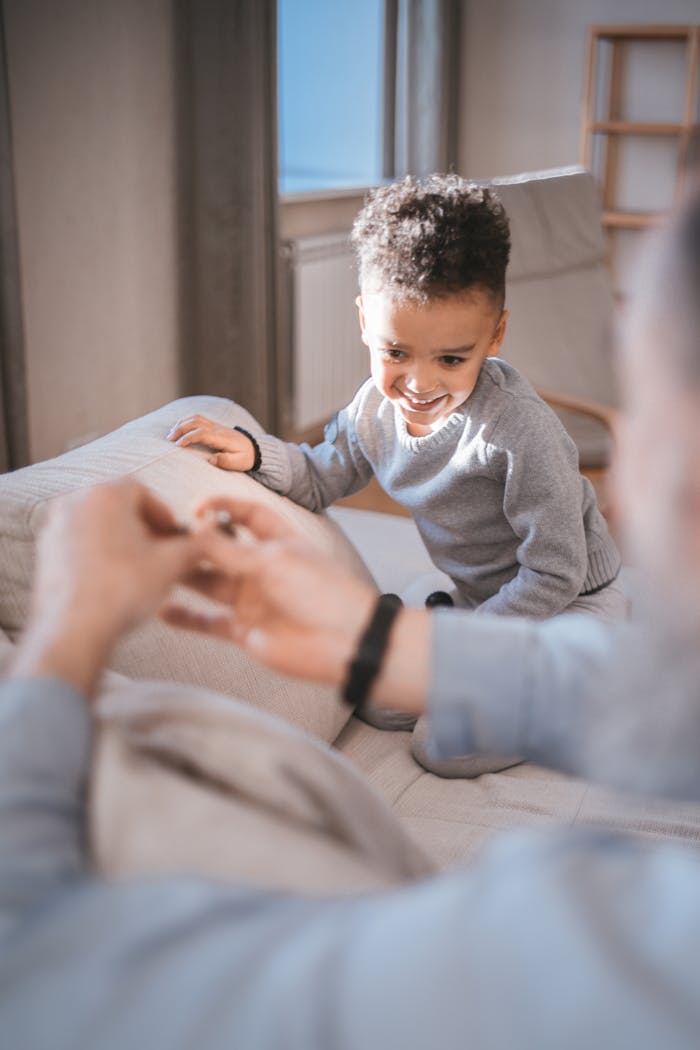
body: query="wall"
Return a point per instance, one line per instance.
(91, 104)
(522, 74)
(522, 90)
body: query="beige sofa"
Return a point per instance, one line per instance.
(450, 819)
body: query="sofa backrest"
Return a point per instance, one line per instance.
(559, 293)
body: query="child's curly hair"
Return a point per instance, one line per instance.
(427, 238)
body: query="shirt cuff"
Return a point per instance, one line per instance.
(481, 671)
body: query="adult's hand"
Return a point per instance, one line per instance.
(296, 610)
(105, 561)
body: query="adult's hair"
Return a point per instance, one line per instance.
(667, 303)
(423, 239)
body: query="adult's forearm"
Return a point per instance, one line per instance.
(74, 651)
(44, 750)
(402, 682)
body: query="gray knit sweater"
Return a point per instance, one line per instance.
(495, 492)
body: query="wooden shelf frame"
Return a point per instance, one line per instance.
(615, 126)
(631, 220)
(631, 127)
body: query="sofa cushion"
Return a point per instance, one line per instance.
(559, 295)
(453, 819)
(182, 478)
(6, 652)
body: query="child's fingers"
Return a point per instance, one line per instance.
(202, 436)
(183, 426)
(240, 461)
(199, 424)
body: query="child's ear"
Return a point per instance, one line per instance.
(499, 335)
(361, 316)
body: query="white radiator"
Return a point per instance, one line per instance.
(328, 360)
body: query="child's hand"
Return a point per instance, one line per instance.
(234, 451)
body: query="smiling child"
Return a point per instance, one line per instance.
(458, 437)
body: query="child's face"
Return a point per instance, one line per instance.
(426, 358)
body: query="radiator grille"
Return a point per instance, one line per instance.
(328, 359)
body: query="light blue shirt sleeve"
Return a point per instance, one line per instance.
(549, 941)
(44, 748)
(517, 686)
(611, 702)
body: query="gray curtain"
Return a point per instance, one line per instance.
(421, 87)
(227, 134)
(14, 451)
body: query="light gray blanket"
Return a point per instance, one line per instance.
(187, 781)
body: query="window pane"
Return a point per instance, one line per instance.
(330, 93)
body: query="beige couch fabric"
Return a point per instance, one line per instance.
(236, 795)
(6, 652)
(182, 478)
(559, 295)
(453, 819)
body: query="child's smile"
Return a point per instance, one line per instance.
(426, 358)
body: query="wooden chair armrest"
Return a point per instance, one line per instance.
(603, 413)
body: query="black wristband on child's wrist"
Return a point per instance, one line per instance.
(256, 447)
(370, 651)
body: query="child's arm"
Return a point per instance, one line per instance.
(543, 501)
(315, 477)
(312, 477)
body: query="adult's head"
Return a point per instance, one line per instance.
(658, 470)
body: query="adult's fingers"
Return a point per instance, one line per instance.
(262, 522)
(230, 558)
(179, 551)
(213, 584)
(156, 514)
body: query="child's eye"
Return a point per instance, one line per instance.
(451, 361)
(392, 354)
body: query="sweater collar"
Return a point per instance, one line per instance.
(453, 425)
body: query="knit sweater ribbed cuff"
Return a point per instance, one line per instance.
(275, 470)
(603, 567)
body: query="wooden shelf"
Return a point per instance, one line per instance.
(607, 97)
(632, 127)
(643, 32)
(631, 220)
